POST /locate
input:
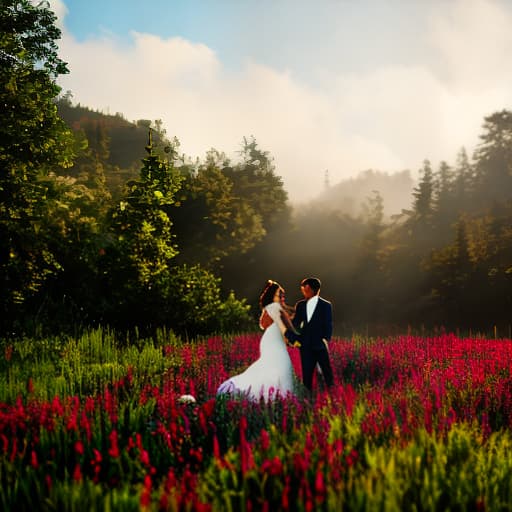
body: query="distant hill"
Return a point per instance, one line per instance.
(125, 143)
(348, 195)
(126, 140)
(118, 143)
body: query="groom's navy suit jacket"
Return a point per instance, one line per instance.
(310, 334)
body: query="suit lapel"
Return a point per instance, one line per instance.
(314, 311)
(304, 314)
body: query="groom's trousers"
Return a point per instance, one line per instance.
(309, 360)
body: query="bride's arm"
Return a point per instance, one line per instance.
(287, 322)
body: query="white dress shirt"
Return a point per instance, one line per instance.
(310, 306)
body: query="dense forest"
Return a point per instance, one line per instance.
(104, 221)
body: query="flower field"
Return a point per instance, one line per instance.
(96, 423)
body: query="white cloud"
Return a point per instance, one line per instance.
(473, 42)
(388, 118)
(60, 11)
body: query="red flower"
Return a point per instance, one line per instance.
(33, 460)
(209, 407)
(145, 497)
(5, 443)
(114, 448)
(79, 447)
(285, 504)
(320, 484)
(265, 439)
(352, 457)
(144, 457)
(77, 473)
(216, 448)
(97, 456)
(273, 466)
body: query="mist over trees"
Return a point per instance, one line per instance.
(351, 195)
(103, 221)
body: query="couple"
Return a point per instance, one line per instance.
(310, 326)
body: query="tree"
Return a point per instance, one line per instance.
(368, 277)
(196, 305)
(76, 226)
(33, 140)
(423, 194)
(443, 190)
(493, 159)
(213, 221)
(463, 183)
(255, 181)
(443, 202)
(144, 242)
(144, 285)
(373, 213)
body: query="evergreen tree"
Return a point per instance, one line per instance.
(493, 159)
(450, 270)
(463, 183)
(443, 190)
(423, 195)
(373, 213)
(443, 203)
(256, 182)
(369, 277)
(141, 222)
(144, 285)
(33, 140)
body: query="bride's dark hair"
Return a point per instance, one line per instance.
(267, 295)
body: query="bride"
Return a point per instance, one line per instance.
(272, 373)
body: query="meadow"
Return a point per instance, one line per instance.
(414, 423)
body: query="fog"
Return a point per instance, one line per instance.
(366, 86)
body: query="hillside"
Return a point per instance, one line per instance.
(348, 195)
(126, 140)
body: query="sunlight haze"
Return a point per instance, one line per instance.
(338, 85)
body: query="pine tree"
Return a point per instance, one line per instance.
(142, 223)
(423, 195)
(493, 159)
(464, 183)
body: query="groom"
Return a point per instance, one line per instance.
(313, 322)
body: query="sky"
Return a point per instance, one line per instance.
(322, 85)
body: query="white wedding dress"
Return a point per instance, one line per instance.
(272, 373)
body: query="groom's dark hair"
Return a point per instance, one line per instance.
(313, 282)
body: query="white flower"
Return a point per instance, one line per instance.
(186, 399)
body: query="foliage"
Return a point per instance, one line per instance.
(87, 236)
(138, 258)
(33, 138)
(196, 304)
(423, 197)
(211, 221)
(413, 423)
(226, 210)
(494, 158)
(255, 178)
